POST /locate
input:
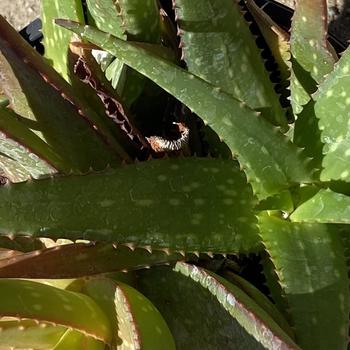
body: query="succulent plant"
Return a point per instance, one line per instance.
(148, 153)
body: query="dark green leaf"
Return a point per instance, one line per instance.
(310, 264)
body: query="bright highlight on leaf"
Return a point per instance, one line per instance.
(325, 207)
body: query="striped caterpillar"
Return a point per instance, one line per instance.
(160, 144)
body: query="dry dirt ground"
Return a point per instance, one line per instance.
(20, 12)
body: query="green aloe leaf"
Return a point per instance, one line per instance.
(140, 19)
(77, 341)
(276, 38)
(35, 301)
(332, 112)
(13, 170)
(29, 164)
(188, 204)
(309, 39)
(310, 264)
(48, 104)
(301, 87)
(98, 92)
(30, 334)
(278, 42)
(217, 148)
(218, 47)
(15, 137)
(136, 323)
(56, 39)
(75, 260)
(106, 16)
(257, 146)
(276, 292)
(136, 20)
(307, 135)
(204, 311)
(168, 32)
(42, 336)
(324, 207)
(282, 201)
(311, 58)
(74, 285)
(261, 299)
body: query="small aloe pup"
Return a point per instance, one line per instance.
(147, 156)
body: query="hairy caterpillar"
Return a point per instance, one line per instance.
(160, 144)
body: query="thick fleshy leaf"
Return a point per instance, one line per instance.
(136, 323)
(42, 336)
(261, 299)
(311, 58)
(56, 39)
(74, 340)
(76, 260)
(73, 285)
(103, 291)
(128, 278)
(301, 88)
(30, 300)
(119, 117)
(309, 38)
(332, 111)
(307, 135)
(31, 164)
(310, 264)
(105, 15)
(168, 32)
(30, 334)
(48, 104)
(276, 38)
(140, 19)
(132, 20)
(270, 161)
(325, 207)
(192, 204)
(104, 102)
(281, 201)
(21, 144)
(204, 311)
(13, 170)
(218, 47)
(274, 285)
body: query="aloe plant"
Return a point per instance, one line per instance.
(140, 164)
